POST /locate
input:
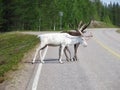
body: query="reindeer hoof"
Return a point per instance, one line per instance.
(74, 59)
(32, 62)
(61, 62)
(42, 62)
(68, 60)
(71, 60)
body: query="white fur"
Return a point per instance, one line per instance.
(58, 39)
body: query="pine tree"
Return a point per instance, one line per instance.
(7, 15)
(1, 17)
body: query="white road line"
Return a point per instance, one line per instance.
(37, 75)
(35, 82)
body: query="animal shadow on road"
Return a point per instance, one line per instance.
(47, 61)
(52, 61)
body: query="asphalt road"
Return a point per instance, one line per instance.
(98, 67)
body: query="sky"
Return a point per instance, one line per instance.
(108, 1)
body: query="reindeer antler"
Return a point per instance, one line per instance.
(82, 30)
(79, 29)
(80, 24)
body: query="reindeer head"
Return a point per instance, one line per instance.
(82, 27)
(81, 31)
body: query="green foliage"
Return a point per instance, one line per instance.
(106, 19)
(12, 48)
(115, 16)
(44, 14)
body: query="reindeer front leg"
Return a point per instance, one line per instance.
(75, 51)
(61, 53)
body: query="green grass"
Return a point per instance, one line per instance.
(13, 45)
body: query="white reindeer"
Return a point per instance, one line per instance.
(76, 33)
(59, 39)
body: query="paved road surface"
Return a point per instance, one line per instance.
(98, 67)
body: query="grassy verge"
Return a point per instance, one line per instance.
(13, 45)
(118, 31)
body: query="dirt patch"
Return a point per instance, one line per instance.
(118, 31)
(99, 24)
(19, 78)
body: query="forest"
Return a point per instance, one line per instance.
(54, 14)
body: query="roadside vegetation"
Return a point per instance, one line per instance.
(52, 14)
(13, 45)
